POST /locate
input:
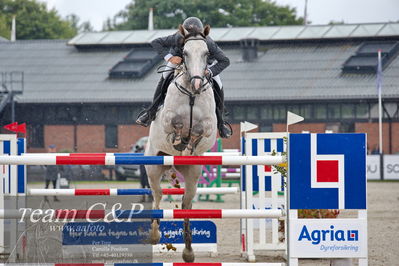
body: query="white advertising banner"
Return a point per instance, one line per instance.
(328, 238)
(391, 167)
(373, 167)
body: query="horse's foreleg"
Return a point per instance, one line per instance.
(154, 175)
(191, 174)
(196, 136)
(177, 124)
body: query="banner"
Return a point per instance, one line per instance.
(391, 167)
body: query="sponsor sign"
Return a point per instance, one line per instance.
(328, 238)
(119, 240)
(327, 171)
(134, 232)
(373, 167)
(391, 167)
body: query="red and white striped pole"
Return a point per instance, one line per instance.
(51, 159)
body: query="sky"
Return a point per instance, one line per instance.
(319, 11)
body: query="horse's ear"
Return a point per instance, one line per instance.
(182, 30)
(207, 29)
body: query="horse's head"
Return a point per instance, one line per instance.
(195, 55)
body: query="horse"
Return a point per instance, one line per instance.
(184, 125)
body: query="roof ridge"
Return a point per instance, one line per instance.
(36, 41)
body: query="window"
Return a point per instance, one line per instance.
(111, 136)
(279, 112)
(306, 111)
(136, 64)
(294, 109)
(362, 110)
(374, 110)
(127, 114)
(348, 110)
(62, 113)
(266, 112)
(390, 110)
(50, 113)
(239, 113)
(334, 111)
(111, 113)
(366, 58)
(320, 111)
(91, 114)
(36, 136)
(252, 113)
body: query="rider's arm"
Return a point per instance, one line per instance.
(218, 54)
(164, 46)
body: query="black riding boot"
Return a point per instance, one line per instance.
(224, 128)
(147, 116)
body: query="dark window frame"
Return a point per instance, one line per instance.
(36, 136)
(111, 136)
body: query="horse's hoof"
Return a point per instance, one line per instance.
(155, 237)
(179, 147)
(188, 255)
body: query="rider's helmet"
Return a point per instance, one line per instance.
(193, 24)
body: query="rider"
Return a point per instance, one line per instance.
(171, 49)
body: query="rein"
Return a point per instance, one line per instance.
(191, 95)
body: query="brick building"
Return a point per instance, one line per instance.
(84, 94)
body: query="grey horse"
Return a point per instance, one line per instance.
(171, 134)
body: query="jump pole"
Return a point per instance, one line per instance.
(125, 192)
(51, 159)
(171, 264)
(125, 154)
(144, 214)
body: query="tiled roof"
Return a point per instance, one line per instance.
(58, 73)
(274, 33)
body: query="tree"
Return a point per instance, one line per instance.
(34, 21)
(227, 13)
(5, 31)
(79, 27)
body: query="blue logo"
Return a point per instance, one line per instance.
(317, 236)
(327, 171)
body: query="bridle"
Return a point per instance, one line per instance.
(184, 70)
(192, 37)
(186, 91)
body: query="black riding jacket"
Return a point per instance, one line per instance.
(173, 44)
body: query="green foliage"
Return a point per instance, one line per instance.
(169, 14)
(79, 27)
(4, 29)
(33, 21)
(66, 151)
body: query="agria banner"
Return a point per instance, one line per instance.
(327, 171)
(328, 238)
